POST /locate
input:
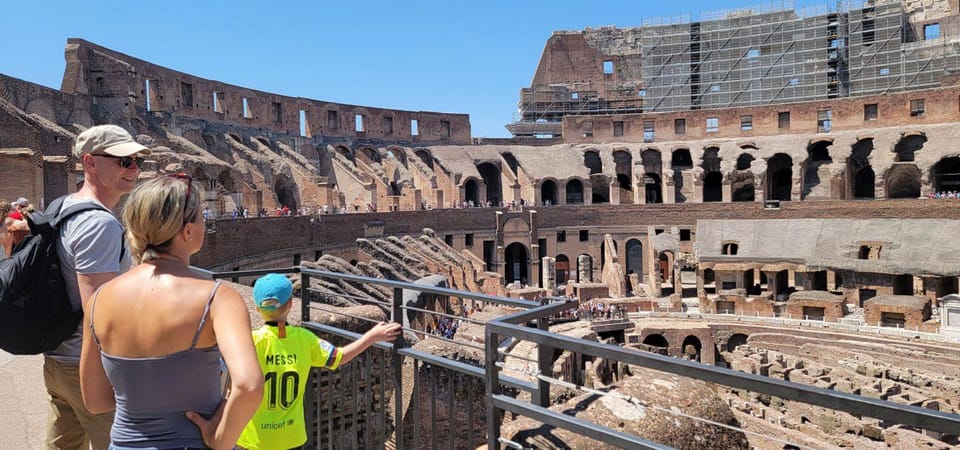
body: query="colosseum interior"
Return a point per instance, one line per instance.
(782, 185)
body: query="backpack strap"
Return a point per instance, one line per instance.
(56, 215)
(206, 312)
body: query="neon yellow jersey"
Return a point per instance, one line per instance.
(278, 422)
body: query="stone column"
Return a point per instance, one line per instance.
(760, 188)
(533, 266)
(726, 190)
(796, 183)
(614, 192)
(698, 190)
(772, 283)
(669, 190)
(640, 192)
(585, 268)
(548, 274)
(701, 291)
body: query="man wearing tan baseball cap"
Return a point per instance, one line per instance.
(91, 253)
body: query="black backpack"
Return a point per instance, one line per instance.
(35, 312)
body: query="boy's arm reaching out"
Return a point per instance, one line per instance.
(382, 331)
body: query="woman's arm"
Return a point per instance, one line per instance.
(95, 387)
(231, 325)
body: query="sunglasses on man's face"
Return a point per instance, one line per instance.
(125, 161)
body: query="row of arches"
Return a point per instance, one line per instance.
(902, 180)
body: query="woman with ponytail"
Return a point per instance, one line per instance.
(154, 336)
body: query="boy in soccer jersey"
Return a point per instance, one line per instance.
(286, 354)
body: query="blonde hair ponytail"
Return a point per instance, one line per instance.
(155, 212)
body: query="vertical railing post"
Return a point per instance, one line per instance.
(304, 301)
(544, 366)
(492, 388)
(311, 399)
(397, 316)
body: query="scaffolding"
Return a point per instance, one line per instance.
(766, 56)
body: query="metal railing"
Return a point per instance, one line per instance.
(396, 396)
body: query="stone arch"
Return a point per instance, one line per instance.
(864, 183)
(491, 177)
(652, 161)
(371, 155)
(712, 178)
(562, 266)
(744, 161)
(323, 162)
(346, 153)
(902, 181)
(680, 160)
(742, 180)
(264, 142)
(624, 168)
(711, 159)
(665, 265)
(548, 192)
(471, 191)
(908, 146)
(397, 152)
(600, 189)
(634, 250)
(591, 159)
(736, 340)
(227, 196)
(512, 162)
(653, 186)
(195, 137)
(858, 168)
(652, 176)
(396, 188)
(658, 341)
(713, 187)
(779, 177)
(816, 171)
(574, 190)
(425, 156)
(516, 259)
(691, 348)
(287, 193)
(945, 174)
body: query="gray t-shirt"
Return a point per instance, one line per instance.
(90, 242)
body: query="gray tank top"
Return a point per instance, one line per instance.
(153, 393)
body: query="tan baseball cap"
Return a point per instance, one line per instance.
(109, 139)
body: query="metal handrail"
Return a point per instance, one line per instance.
(507, 326)
(517, 325)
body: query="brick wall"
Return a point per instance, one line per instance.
(941, 105)
(121, 81)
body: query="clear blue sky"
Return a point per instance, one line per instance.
(451, 56)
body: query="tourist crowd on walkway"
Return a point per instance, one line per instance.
(944, 194)
(592, 310)
(241, 212)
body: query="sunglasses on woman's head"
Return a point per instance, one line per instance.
(186, 202)
(125, 161)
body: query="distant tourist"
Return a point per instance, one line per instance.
(288, 352)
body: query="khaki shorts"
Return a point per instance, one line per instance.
(69, 425)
